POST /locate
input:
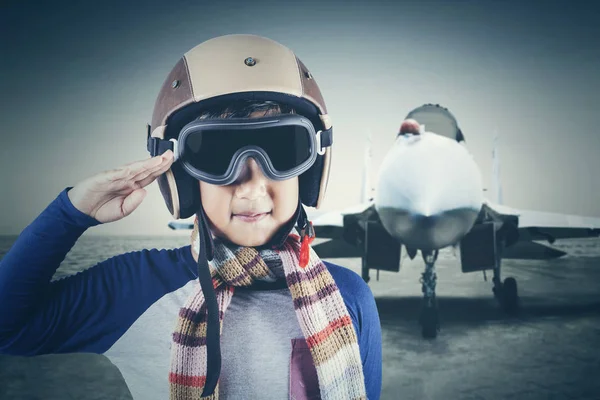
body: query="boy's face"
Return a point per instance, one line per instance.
(252, 209)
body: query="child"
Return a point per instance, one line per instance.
(244, 117)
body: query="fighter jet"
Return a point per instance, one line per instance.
(429, 196)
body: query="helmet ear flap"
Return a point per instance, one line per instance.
(180, 191)
(310, 182)
(189, 195)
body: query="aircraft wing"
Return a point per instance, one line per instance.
(342, 227)
(539, 225)
(331, 224)
(176, 225)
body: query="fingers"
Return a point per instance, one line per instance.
(135, 164)
(132, 201)
(165, 164)
(151, 177)
(128, 173)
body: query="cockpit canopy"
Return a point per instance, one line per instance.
(433, 118)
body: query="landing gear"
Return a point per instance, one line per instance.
(429, 320)
(505, 292)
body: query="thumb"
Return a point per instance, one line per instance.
(132, 201)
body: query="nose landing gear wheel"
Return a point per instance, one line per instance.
(429, 320)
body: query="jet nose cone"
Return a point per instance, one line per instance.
(429, 191)
(428, 232)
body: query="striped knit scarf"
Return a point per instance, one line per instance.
(320, 309)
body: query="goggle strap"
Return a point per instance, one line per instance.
(157, 146)
(326, 138)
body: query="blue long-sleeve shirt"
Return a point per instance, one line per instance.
(126, 307)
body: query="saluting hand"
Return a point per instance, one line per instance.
(114, 194)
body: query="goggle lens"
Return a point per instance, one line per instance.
(211, 151)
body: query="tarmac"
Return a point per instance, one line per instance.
(549, 350)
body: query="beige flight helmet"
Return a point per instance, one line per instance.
(228, 68)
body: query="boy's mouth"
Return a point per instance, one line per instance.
(251, 216)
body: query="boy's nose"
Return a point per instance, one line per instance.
(252, 183)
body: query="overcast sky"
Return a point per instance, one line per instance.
(79, 79)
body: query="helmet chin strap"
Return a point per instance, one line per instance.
(281, 235)
(213, 340)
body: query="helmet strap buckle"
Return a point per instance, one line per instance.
(324, 140)
(175, 152)
(320, 148)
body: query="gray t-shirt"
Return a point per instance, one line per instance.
(259, 325)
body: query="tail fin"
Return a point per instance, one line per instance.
(496, 171)
(365, 195)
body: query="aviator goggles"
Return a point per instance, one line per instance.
(215, 151)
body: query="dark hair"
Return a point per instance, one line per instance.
(245, 108)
